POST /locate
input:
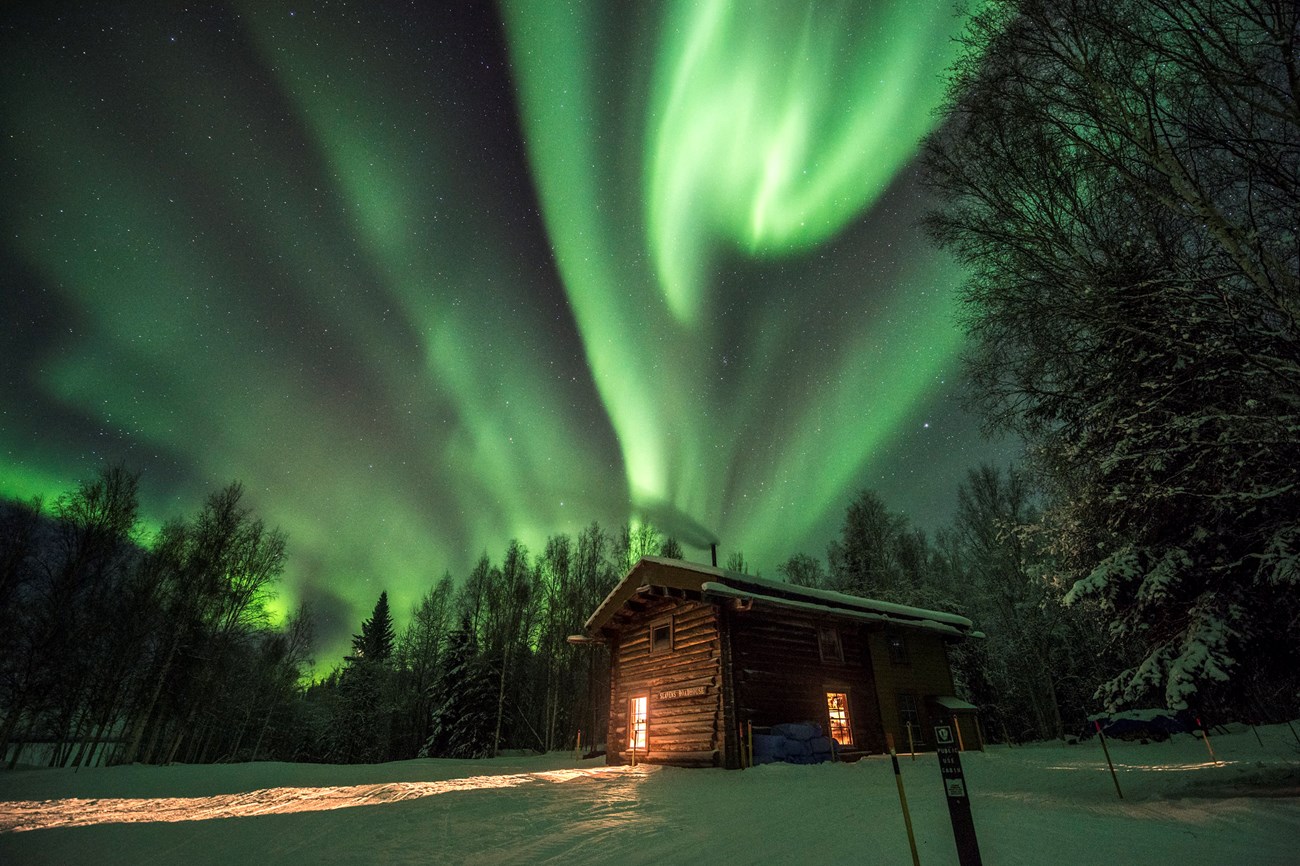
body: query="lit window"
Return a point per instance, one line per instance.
(837, 703)
(897, 649)
(661, 637)
(637, 721)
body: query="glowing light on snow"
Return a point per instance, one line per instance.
(1149, 768)
(23, 815)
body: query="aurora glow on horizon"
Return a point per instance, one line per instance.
(429, 281)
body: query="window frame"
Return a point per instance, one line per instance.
(658, 648)
(834, 632)
(846, 711)
(915, 711)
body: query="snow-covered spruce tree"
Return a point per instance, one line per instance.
(464, 701)
(1121, 179)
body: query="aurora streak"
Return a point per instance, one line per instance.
(426, 284)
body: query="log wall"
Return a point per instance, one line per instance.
(696, 715)
(780, 676)
(686, 729)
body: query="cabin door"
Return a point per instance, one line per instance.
(637, 723)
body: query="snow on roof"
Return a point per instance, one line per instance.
(722, 582)
(711, 588)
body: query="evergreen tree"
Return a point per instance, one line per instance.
(366, 689)
(375, 642)
(464, 701)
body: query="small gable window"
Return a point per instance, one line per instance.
(661, 637)
(897, 649)
(828, 642)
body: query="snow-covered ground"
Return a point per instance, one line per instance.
(1048, 804)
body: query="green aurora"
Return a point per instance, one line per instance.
(428, 284)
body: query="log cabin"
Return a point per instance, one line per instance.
(698, 655)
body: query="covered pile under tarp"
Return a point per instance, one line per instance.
(1153, 724)
(793, 744)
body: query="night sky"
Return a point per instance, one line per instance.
(426, 281)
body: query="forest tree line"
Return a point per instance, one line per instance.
(112, 650)
(116, 651)
(118, 648)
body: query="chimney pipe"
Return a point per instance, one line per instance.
(713, 549)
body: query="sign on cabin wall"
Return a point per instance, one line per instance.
(689, 692)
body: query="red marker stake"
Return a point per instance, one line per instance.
(1205, 735)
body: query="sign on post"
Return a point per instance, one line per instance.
(954, 787)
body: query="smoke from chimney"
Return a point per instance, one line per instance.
(671, 520)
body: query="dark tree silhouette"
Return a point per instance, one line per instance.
(375, 643)
(1120, 178)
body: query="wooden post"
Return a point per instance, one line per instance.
(577, 749)
(1106, 752)
(979, 732)
(911, 743)
(749, 726)
(902, 796)
(1205, 735)
(961, 744)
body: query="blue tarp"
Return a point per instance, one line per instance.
(803, 732)
(1135, 724)
(793, 744)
